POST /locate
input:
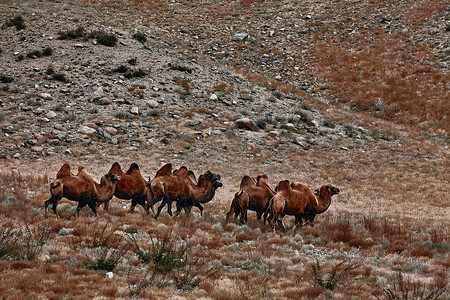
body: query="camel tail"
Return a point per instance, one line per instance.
(269, 205)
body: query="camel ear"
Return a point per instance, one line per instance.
(316, 192)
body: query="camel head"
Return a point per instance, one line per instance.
(212, 176)
(327, 189)
(112, 177)
(217, 184)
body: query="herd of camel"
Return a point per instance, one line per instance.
(182, 187)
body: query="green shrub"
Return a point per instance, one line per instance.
(34, 54)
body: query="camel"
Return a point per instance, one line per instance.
(80, 188)
(168, 187)
(201, 192)
(323, 197)
(130, 186)
(253, 195)
(298, 200)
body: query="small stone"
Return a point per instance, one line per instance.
(17, 155)
(240, 37)
(50, 115)
(38, 111)
(135, 110)
(246, 123)
(110, 275)
(301, 140)
(44, 95)
(86, 130)
(290, 126)
(111, 130)
(152, 103)
(37, 149)
(315, 123)
(274, 133)
(213, 97)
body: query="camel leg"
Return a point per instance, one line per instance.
(106, 205)
(54, 201)
(92, 206)
(199, 207)
(164, 202)
(311, 216)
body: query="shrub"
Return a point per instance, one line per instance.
(180, 68)
(72, 34)
(23, 244)
(139, 36)
(6, 79)
(104, 38)
(60, 77)
(34, 54)
(120, 69)
(17, 21)
(402, 290)
(47, 51)
(331, 281)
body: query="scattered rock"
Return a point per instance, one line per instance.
(135, 110)
(302, 141)
(37, 149)
(246, 123)
(240, 37)
(152, 103)
(50, 115)
(86, 130)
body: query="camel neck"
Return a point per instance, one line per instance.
(323, 202)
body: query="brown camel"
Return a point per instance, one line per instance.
(201, 192)
(298, 200)
(253, 195)
(167, 187)
(80, 188)
(130, 186)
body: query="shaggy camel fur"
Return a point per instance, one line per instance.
(253, 195)
(298, 200)
(200, 192)
(168, 187)
(130, 186)
(80, 188)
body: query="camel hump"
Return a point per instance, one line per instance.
(115, 168)
(247, 181)
(283, 186)
(262, 178)
(181, 171)
(192, 177)
(165, 170)
(64, 171)
(81, 169)
(133, 167)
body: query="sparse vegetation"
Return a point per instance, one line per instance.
(104, 38)
(72, 34)
(17, 21)
(140, 37)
